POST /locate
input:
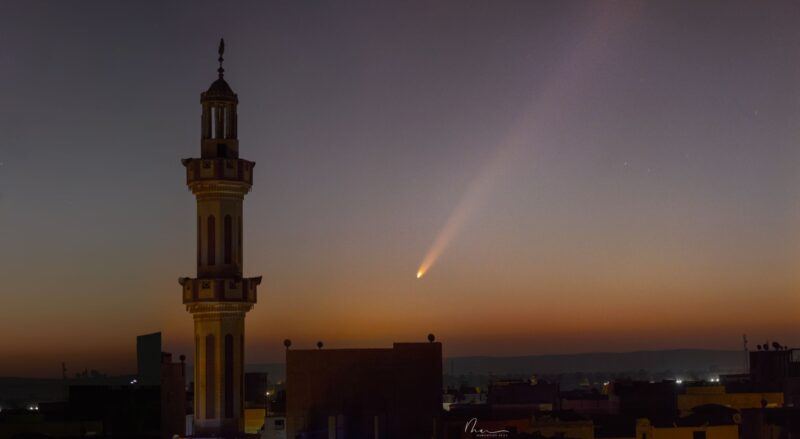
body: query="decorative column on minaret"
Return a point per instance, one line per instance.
(219, 297)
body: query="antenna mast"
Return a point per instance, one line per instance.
(746, 353)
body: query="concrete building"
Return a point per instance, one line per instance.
(486, 421)
(256, 392)
(530, 394)
(148, 359)
(645, 399)
(699, 395)
(770, 423)
(173, 396)
(275, 419)
(589, 402)
(219, 297)
(770, 368)
(364, 393)
(148, 405)
(686, 428)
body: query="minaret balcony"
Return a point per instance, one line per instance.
(215, 169)
(219, 290)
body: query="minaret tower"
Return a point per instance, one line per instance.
(219, 297)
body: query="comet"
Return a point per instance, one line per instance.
(546, 110)
(474, 197)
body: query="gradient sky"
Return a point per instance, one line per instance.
(605, 176)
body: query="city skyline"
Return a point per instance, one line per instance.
(588, 177)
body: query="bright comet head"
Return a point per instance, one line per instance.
(419, 274)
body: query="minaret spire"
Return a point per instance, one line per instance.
(221, 51)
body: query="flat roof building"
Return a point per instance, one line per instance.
(364, 393)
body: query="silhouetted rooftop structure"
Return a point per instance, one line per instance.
(355, 392)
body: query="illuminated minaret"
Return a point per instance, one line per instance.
(219, 297)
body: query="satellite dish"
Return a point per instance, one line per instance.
(431, 338)
(319, 345)
(287, 343)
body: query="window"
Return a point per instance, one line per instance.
(280, 424)
(228, 232)
(210, 374)
(222, 150)
(228, 376)
(211, 245)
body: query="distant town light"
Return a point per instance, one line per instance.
(679, 381)
(134, 381)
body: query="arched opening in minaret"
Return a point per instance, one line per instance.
(228, 237)
(239, 249)
(211, 384)
(226, 127)
(211, 244)
(241, 360)
(199, 240)
(228, 376)
(213, 125)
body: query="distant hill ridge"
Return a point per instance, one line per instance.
(678, 360)
(652, 361)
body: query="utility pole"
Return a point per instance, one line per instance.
(746, 353)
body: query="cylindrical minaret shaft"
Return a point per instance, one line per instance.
(219, 297)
